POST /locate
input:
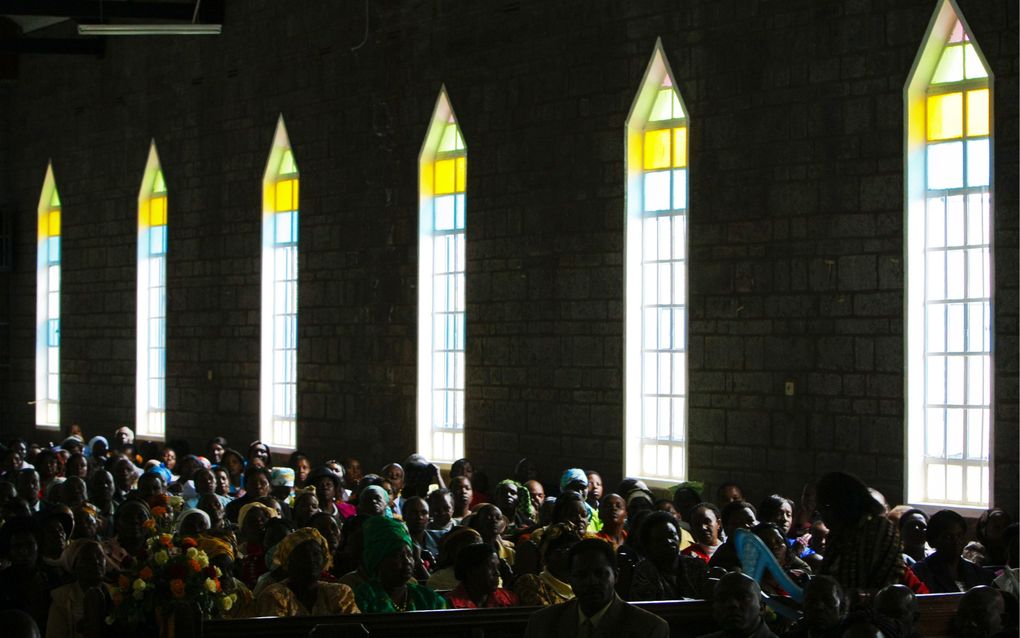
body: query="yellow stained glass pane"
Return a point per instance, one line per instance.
(945, 116)
(461, 184)
(53, 223)
(158, 185)
(972, 65)
(286, 195)
(143, 214)
(680, 147)
(950, 68)
(661, 108)
(157, 211)
(657, 145)
(445, 177)
(287, 165)
(55, 199)
(977, 112)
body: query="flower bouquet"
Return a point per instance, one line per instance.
(175, 573)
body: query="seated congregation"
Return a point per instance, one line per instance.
(109, 538)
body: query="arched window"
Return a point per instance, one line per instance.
(656, 278)
(150, 373)
(949, 267)
(278, 387)
(441, 260)
(47, 340)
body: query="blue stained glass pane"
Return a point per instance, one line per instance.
(445, 214)
(459, 211)
(157, 240)
(53, 250)
(977, 162)
(679, 189)
(285, 227)
(53, 332)
(945, 165)
(657, 191)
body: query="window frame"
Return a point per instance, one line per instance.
(47, 408)
(151, 264)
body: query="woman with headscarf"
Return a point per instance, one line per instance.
(192, 522)
(576, 480)
(252, 522)
(221, 555)
(477, 569)
(126, 550)
(550, 586)
(514, 500)
(305, 555)
(389, 563)
(444, 578)
(79, 608)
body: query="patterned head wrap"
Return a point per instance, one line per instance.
(375, 489)
(215, 546)
(524, 507)
(281, 477)
(163, 472)
(551, 533)
(283, 549)
(572, 475)
(270, 512)
(382, 537)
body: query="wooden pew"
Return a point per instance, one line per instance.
(686, 618)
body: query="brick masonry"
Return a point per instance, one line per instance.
(796, 269)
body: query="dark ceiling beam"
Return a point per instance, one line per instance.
(54, 46)
(211, 11)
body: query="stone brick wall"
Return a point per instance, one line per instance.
(796, 269)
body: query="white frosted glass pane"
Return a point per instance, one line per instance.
(662, 454)
(677, 424)
(956, 220)
(663, 236)
(649, 332)
(650, 283)
(955, 274)
(663, 373)
(458, 281)
(936, 380)
(679, 237)
(935, 227)
(649, 372)
(945, 165)
(973, 484)
(53, 413)
(664, 419)
(934, 436)
(679, 329)
(459, 361)
(678, 466)
(679, 374)
(458, 446)
(978, 326)
(53, 278)
(155, 393)
(52, 360)
(977, 162)
(53, 386)
(444, 212)
(156, 302)
(649, 238)
(978, 379)
(679, 282)
(936, 328)
(441, 254)
(649, 414)
(955, 380)
(157, 240)
(977, 272)
(954, 483)
(657, 191)
(156, 333)
(440, 293)
(955, 330)
(954, 433)
(648, 460)
(665, 328)
(53, 305)
(976, 424)
(937, 481)
(460, 242)
(679, 189)
(977, 220)
(284, 226)
(935, 273)
(665, 287)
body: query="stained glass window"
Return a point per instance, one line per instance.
(47, 352)
(949, 304)
(656, 412)
(441, 313)
(150, 373)
(278, 414)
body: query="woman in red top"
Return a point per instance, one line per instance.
(477, 569)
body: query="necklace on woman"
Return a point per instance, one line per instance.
(402, 605)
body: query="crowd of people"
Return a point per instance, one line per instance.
(84, 522)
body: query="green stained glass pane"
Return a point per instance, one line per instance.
(678, 111)
(449, 140)
(662, 109)
(55, 199)
(950, 68)
(460, 140)
(287, 165)
(972, 63)
(158, 185)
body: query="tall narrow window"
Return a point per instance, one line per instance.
(442, 185)
(150, 373)
(949, 267)
(47, 340)
(278, 389)
(656, 278)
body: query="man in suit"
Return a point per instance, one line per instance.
(596, 610)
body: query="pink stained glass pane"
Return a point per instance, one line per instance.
(958, 34)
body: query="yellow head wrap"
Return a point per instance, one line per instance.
(214, 546)
(282, 550)
(270, 512)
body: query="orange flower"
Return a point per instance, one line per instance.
(177, 588)
(159, 510)
(162, 498)
(118, 598)
(146, 573)
(189, 542)
(166, 540)
(149, 524)
(124, 582)
(194, 565)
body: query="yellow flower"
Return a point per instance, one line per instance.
(138, 595)
(176, 502)
(192, 553)
(139, 584)
(218, 572)
(161, 557)
(226, 603)
(203, 559)
(210, 584)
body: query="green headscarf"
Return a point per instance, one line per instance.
(382, 537)
(524, 506)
